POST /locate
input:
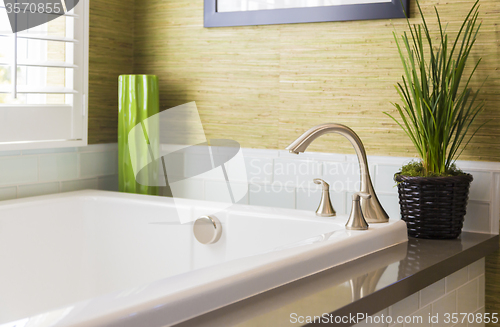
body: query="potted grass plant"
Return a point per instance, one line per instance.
(437, 113)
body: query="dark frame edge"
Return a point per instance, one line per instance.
(394, 9)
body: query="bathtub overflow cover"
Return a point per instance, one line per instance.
(207, 229)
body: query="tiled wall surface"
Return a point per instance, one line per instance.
(280, 179)
(460, 292)
(276, 178)
(37, 172)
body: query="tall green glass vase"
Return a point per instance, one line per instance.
(138, 99)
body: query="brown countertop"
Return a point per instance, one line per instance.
(366, 285)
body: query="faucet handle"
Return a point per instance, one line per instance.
(324, 185)
(357, 195)
(356, 218)
(325, 208)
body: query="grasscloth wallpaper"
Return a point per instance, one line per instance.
(110, 54)
(264, 85)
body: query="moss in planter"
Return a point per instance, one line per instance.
(416, 169)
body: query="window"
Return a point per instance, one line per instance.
(44, 82)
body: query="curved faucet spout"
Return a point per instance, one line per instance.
(303, 142)
(372, 209)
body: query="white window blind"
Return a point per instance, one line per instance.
(44, 82)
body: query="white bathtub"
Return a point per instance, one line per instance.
(94, 258)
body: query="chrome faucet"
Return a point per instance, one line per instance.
(371, 207)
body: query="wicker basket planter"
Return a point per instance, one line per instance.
(433, 207)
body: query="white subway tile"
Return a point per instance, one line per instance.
(390, 203)
(196, 164)
(405, 307)
(298, 173)
(259, 170)
(375, 320)
(481, 291)
(419, 318)
(476, 269)
(467, 297)
(457, 279)
(48, 151)
(9, 153)
(432, 292)
(339, 202)
(8, 193)
(108, 183)
(446, 304)
(384, 180)
(82, 184)
(477, 218)
(342, 176)
(174, 165)
(219, 191)
(274, 195)
(235, 170)
(480, 188)
(18, 170)
(99, 147)
(309, 199)
(219, 159)
(237, 182)
(478, 165)
(37, 189)
(216, 174)
(477, 322)
(58, 167)
(351, 157)
(459, 324)
(94, 164)
(188, 189)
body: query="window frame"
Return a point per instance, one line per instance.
(78, 119)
